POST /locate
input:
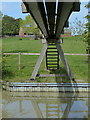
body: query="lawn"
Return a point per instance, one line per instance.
(78, 64)
(14, 44)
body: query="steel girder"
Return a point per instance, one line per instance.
(44, 13)
(37, 11)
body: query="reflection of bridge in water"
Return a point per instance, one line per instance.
(46, 105)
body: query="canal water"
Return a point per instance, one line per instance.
(44, 105)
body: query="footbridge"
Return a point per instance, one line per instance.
(51, 17)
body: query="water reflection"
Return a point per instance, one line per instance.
(44, 105)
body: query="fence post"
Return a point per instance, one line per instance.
(19, 61)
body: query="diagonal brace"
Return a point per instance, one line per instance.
(37, 109)
(63, 58)
(37, 66)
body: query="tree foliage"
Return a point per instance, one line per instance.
(1, 22)
(1, 15)
(87, 33)
(10, 25)
(29, 26)
(77, 27)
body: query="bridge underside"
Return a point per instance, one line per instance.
(51, 18)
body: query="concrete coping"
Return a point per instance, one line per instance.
(14, 84)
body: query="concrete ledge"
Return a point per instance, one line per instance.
(46, 87)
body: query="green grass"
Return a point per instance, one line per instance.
(74, 45)
(13, 44)
(78, 64)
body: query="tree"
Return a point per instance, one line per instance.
(10, 25)
(87, 33)
(77, 27)
(1, 15)
(87, 37)
(28, 25)
(1, 23)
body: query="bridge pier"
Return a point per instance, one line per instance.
(51, 18)
(52, 59)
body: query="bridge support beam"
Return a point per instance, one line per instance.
(37, 66)
(63, 58)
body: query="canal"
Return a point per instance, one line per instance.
(44, 105)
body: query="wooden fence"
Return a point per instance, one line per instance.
(19, 56)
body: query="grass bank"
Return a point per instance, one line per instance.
(78, 64)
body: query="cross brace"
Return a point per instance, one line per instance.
(63, 58)
(34, 74)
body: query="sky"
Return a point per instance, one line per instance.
(80, 15)
(14, 9)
